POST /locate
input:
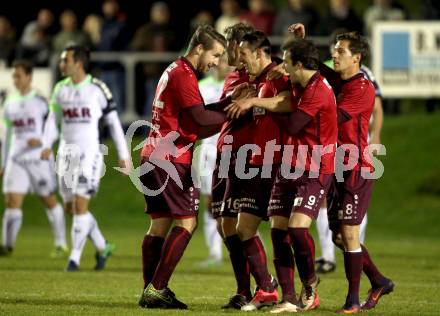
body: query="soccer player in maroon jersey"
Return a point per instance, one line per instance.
(255, 50)
(178, 118)
(225, 185)
(355, 101)
(296, 198)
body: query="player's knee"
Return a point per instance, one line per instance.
(245, 232)
(190, 224)
(68, 207)
(337, 240)
(229, 227)
(50, 201)
(13, 201)
(219, 228)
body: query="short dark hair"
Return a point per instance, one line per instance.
(303, 51)
(357, 44)
(24, 64)
(237, 31)
(80, 53)
(206, 35)
(332, 37)
(258, 39)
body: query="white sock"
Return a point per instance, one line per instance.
(356, 250)
(81, 226)
(95, 234)
(58, 224)
(212, 237)
(363, 229)
(12, 220)
(325, 236)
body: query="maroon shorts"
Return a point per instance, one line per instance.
(255, 193)
(168, 198)
(225, 191)
(303, 195)
(349, 200)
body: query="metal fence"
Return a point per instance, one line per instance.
(129, 60)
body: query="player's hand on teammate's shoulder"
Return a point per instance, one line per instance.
(125, 165)
(277, 72)
(298, 30)
(34, 142)
(45, 153)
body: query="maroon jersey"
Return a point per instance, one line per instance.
(356, 98)
(264, 127)
(239, 129)
(318, 101)
(176, 91)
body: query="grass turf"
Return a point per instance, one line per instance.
(403, 238)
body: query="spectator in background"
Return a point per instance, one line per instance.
(44, 23)
(7, 41)
(35, 43)
(154, 36)
(381, 10)
(92, 26)
(260, 16)
(230, 15)
(201, 18)
(297, 11)
(430, 10)
(69, 33)
(114, 37)
(340, 15)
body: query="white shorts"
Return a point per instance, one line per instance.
(30, 176)
(79, 174)
(206, 165)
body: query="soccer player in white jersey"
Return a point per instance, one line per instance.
(78, 104)
(211, 89)
(24, 172)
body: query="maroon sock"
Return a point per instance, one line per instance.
(239, 265)
(376, 278)
(353, 270)
(304, 251)
(284, 263)
(256, 256)
(172, 251)
(151, 249)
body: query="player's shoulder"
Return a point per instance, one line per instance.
(11, 98)
(39, 97)
(63, 82)
(102, 86)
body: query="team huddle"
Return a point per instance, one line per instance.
(273, 117)
(281, 124)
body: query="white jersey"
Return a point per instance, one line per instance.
(211, 91)
(24, 119)
(79, 108)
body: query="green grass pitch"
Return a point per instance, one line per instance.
(403, 237)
